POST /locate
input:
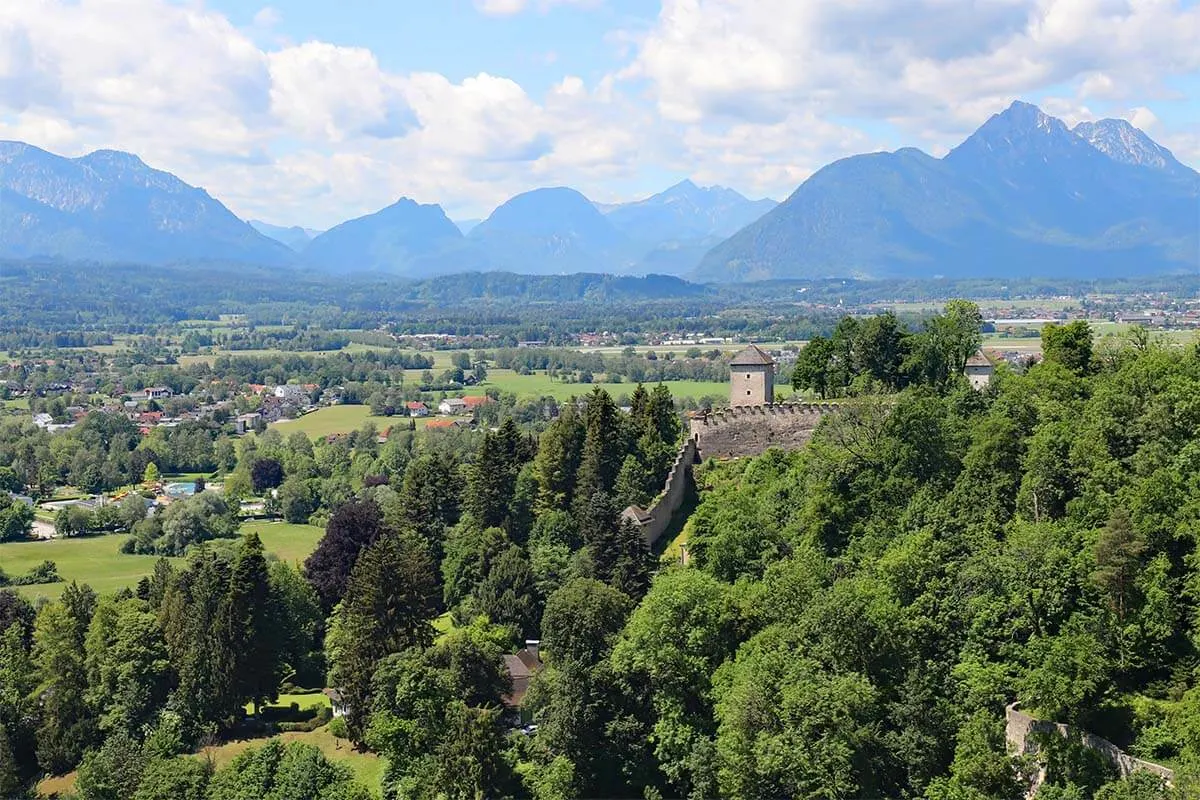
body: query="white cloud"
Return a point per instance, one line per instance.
(310, 132)
(765, 91)
(755, 94)
(330, 92)
(267, 17)
(959, 60)
(507, 8)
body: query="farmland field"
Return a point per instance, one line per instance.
(335, 419)
(542, 385)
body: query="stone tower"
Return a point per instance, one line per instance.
(751, 378)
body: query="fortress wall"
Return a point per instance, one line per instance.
(658, 516)
(1022, 731)
(741, 431)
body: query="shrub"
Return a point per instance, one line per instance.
(46, 572)
(308, 726)
(337, 727)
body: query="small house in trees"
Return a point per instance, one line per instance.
(337, 703)
(417, 409)
(521, 666)
(476, 401)
(978, 371)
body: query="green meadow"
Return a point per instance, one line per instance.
(98, 561)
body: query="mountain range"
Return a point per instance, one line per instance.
(110, 206)
(295, 237)
(1022, 195)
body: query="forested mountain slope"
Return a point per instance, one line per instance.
(868, 606)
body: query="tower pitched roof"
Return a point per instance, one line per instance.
(978, 360)
(752, 356)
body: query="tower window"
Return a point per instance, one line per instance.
(747, 376)
(747, 392)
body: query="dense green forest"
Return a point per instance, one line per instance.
(48, 304)
(851, 622)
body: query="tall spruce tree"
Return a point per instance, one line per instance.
(389, 604)
(491, 483)
(430, 497)
(248, 619)
(556, 466)
(204, 695)
(604, 448)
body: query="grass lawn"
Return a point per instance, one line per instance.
(289, 542)
(183, 477)
(335, 419)
(541, 385)
(303, 702)
(97, 560)
(17, 404)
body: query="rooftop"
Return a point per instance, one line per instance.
(978, 360)
(752, 356)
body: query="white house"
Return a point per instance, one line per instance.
(244, 423)
(453, 405)
(291, 393)
(43, 420)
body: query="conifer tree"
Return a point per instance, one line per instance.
(491, 483)
(248, 625)
(430, 498)
(604, 448)
(190, 617)
(389, 604)
(556, 466)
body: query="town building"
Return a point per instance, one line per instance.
(453, 405)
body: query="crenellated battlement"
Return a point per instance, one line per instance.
(733, 432)
(740, 431)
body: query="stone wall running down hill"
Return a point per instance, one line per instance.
(656, 519)
(743, 431)
(1022, 730)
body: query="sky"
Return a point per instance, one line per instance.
(310, 112)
